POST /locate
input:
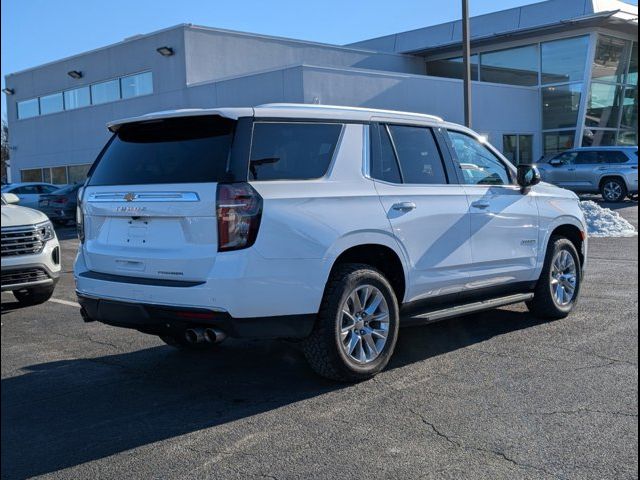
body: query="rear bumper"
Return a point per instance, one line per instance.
(167, 320)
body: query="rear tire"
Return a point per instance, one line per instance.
(558, 288)
(613, 190)
(357, 327)
(33, 296)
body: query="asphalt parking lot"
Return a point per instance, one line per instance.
(499, 395)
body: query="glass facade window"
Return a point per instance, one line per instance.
(77, 98)
(560, 106)
(59, 175)
(51, 104)
(627, 137)
(564, 60)
(28, 108)
(603, 105)
(452, 68)
(610, 61)
(558, 141)
(105, 92)
(518, 148)
(632, 77)
(31, 175)
(630, 109)
(136, 85)
(516, 66)
(78, 173)
(598, 138)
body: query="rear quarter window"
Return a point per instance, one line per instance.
(292, 151)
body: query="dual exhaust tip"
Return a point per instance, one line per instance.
(204, 335)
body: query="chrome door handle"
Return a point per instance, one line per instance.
(404, 206)
(480, 205)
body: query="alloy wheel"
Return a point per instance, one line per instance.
(363, 325)
(564, 278)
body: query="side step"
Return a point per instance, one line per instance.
(459, 310)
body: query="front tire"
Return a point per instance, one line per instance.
(33, 296)
(356, 330)
(558, 289)
(613, 190)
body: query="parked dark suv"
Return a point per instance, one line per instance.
(610, 171)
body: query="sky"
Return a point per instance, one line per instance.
(39, 31)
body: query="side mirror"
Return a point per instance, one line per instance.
(528, 176)
(555, 162)
(11, 198)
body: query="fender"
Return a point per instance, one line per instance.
(365, 237)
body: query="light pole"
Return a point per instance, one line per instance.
(466, 60)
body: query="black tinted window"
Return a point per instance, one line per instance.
(292, 151)
(418, 155)
(175, 150)
(384, 165)
(588, 158)
(613, 157)
(26, 190)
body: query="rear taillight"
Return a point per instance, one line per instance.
(80, 223)
(61, 200)
(80, 216)
(239, 211)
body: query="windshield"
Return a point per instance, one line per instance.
(174, 150)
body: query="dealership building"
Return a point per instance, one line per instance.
(546, 77)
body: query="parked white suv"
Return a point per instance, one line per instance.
(30, 253)
(322, 224)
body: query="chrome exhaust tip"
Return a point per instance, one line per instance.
(213, 335)
(194, 335)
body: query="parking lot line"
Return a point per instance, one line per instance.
(65, 302)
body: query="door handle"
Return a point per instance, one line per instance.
(404, 206)
(481, 205)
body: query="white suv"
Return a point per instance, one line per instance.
(322, 224)
(30, 253)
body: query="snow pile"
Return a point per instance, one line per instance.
(604, 222)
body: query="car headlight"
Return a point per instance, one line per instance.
(45, 231)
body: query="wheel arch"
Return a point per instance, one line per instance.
(574, 234)
(380, 254)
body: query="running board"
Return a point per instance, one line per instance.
(466, 309)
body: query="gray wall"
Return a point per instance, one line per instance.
(497, 109)
(218, 54)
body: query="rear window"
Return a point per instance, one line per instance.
(292, 151)
(175, 150)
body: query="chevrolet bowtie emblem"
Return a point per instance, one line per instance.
(130, 197)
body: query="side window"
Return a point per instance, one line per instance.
(384, 165)
(567, 158)
(292, 151)
(46, 189)
(26, 190)
(478, 164)
(418, 155)
(613, 156)
(588, 158)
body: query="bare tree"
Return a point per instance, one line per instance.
(5, 151)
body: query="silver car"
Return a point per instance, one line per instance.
(610, 171)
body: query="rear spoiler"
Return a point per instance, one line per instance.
(230, 113)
